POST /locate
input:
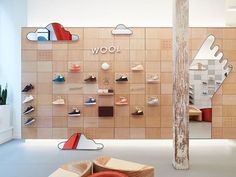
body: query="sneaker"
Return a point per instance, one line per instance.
(105, 92)
(28, 88)
(153, 101)
(91, 78)
(153, 79)
(138, 112)
(74, 113)
(59, 79)
(29, 121)
(59, 101)
(28, 99)
(75, 68)
(198, 67)
(29, 110)
(190, 92)
(90, 101)
(137, 68)
(122, 78)
(122, 101)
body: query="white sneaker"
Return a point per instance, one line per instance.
(198, 67)
(153, 101)
(137, 68)
(59, 101)
(153, 79)
(28, 99)
(105, 92)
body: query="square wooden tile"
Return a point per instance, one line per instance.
(45, 78)
(75, 121)
(90, 122)
(44, 133)
(122, 121)
(60, 55)
(137, 44)
(106, 122)
(153, 133)
(166, 133)
(29, 133)
(59, 66)
(125, 55)
(59, 122)
(137, 55)
(44, 66)
(28, 66)
(59, 133)
(28, 55)
(137, 133)
(122, 133)
(44, 55)
(104, 133)
(153, 55)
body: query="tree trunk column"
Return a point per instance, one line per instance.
(180, 84)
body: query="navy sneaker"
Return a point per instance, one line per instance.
(90, 101)
(29, 121)
(59, 79)
(74, 113)
(29, 110)
(28, 88)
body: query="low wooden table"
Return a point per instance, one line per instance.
(195, 113)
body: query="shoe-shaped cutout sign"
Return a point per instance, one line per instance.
(207, 72)
(79, 141)
(52, 32)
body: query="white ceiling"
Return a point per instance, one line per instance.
(230, 12)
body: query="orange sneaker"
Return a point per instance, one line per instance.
(75, 68)
(122, 101)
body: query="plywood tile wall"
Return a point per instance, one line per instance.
(223, 102)
(152, 48)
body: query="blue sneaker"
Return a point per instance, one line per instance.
(90, 101)
(29, 121)
(59, 79)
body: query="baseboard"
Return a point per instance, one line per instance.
(6, 135)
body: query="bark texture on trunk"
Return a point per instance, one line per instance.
(181, 84)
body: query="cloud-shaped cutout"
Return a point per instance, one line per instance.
(52, 32)
(79, 141)
(121, 29)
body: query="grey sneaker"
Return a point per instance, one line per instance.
(153, 101)
(153, 79)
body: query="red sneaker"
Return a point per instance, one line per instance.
(75, 68)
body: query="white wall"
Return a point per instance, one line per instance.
(136, 13)
(12, 18)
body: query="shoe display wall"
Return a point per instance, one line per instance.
(138, 76)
